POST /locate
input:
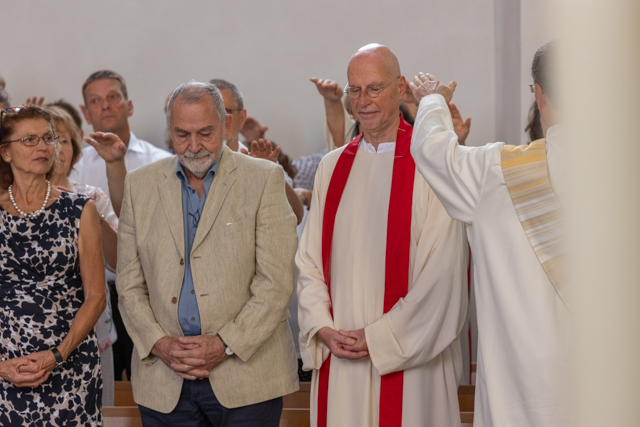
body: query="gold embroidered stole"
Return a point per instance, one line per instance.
(525, 172)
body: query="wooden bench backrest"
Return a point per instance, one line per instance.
(121, 416)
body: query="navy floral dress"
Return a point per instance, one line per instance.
(40, 293)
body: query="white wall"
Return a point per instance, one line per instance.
(269, 49)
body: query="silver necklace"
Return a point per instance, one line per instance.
(34, 214)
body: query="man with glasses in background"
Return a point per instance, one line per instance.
(107, 108)
(382, 282)
(234, 106)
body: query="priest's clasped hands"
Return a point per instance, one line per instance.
(344, 344)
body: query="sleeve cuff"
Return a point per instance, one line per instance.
(382, 345)
(144, 351)
(315, 349)
(434, 99)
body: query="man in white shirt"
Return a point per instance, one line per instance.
(509, 198)
(108, 108)
(234, 105)
(382, 281)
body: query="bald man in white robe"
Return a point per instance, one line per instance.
(382, 282)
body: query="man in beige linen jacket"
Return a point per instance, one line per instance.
(241, 264)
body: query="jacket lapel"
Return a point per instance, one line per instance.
(170, 190)
(222, 182)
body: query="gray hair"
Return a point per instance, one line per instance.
(221, 84)
(191, 92)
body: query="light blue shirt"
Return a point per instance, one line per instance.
(192, 206)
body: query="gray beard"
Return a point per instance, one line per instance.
(199, 169)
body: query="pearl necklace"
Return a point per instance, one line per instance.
(34, 214)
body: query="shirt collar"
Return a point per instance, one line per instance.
(383, 147)
(180, 173)
(135, 144)
(241, 146)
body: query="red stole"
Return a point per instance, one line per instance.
(396, 262)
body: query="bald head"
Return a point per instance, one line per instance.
(376, 55)
(375, 72)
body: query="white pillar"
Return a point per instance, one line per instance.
(600, 70)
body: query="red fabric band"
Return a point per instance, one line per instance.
(396, 262)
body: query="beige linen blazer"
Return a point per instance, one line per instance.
(242, 264)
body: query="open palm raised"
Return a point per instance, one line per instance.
(108, 145)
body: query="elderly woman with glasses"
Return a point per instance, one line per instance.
(51, 283)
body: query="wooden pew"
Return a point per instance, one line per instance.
(301, 399)
(466, 418)
(123, 395)
(121, 416)
(466, 396)
(295, 411)
(295, 417)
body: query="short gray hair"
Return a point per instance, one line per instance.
(191, 92)
(238, 99)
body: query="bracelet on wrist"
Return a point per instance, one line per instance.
(57, 355)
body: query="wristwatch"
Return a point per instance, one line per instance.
(227, 350)
(57, 355)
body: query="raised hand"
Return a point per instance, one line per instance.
(338, 344)
(108, 145)
(304, 195)
(262, 149)
(252, 130)
(426, 84)
(408, 97)
(34, 100)
(460, 126)
(329, 89)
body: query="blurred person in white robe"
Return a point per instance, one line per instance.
(510, 198)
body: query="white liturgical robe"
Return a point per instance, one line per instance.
(419, 334)
(522, 321)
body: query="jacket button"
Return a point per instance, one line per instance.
(174, 300)
(181, 261)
